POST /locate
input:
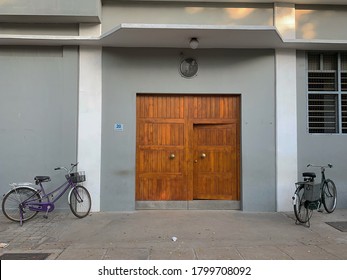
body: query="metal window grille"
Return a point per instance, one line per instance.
(327, 92)
(322, 70)
(329, 61)
(344, 81)
(344, 61)
(344, 72)
(344, 112)
(322, 81)
(322, 113)
(314, 61)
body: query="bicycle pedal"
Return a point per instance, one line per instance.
(45, 216)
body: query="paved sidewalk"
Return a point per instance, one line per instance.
(143, 235)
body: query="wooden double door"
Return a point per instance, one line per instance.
(188, 147)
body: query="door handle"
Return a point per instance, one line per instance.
(203, 155)
(172, 156)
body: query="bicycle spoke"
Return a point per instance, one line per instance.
(301, 211)
(80, 201)
(12, 204)
(328, 193)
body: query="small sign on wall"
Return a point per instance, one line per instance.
(118, 127)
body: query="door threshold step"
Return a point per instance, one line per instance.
(189, 205)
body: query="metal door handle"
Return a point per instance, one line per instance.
(172, 156)
(203, 155)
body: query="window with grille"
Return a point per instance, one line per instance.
(327, 92)
(344, 112)
(322, 109)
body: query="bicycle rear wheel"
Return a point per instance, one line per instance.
(301, 209)
(80, 201)
(329, 196)
(14, 199)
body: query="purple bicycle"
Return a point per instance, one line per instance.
(24, 200)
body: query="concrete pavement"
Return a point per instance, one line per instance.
(150, 235)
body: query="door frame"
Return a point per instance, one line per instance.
(190, 203)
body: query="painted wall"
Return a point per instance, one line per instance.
(39, 29)
(50, 10)
(321, 23)
(130, 71)
(38, 113)
(319, 148)
(114, 13)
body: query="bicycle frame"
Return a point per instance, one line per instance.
(48, 206)
(322, 175)
(323, 179)
(48, 195)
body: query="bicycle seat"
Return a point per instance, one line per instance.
(309, 174)
(39, 179)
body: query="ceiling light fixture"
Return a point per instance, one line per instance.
(194, 43)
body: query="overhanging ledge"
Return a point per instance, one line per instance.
(162, 36)
(178, 36)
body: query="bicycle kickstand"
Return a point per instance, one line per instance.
(46, 214)
(20, 215)
(307, 224)
(21, 218)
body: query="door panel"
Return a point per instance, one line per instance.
(160, 134)
(161, 161)
(160, 188)
(161, 157)
(215, 157)
(214, 107)
(173, 132)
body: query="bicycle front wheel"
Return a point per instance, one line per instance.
(301, 209)
(329, 196)
(15, 200)
(80, 201)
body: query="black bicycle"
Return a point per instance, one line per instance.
(309, 196)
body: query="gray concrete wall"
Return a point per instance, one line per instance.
(50, 10)
(127, 72)
(38, 113)
(115, 13)
(326, 22)
(39, 29)
(319, 148)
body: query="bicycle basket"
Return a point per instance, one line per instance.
(76, 177)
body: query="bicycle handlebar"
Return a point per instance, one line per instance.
(320, 166)
(73, 165)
